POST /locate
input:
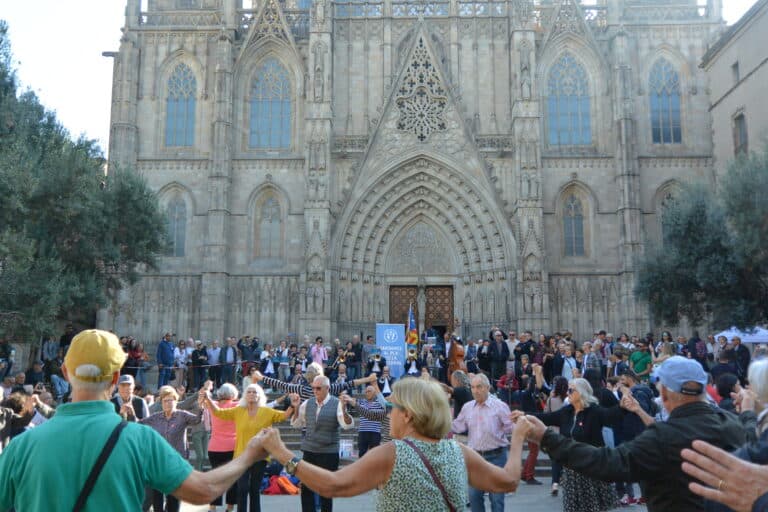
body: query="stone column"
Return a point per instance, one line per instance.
(315, 281)
(214, 298)
(532, 278)
(634, 315)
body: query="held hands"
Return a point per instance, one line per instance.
(295, 400)
(630, 403)
(269, 439)
(258, 377)
(523, 427)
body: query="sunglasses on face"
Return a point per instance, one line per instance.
(571, 391)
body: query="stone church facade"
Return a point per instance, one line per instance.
(325, 164)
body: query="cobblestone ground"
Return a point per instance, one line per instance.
(527, 498)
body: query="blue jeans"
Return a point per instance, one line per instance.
(163, 376)
(476, 497)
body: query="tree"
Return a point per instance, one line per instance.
(713, 263)
(70, 237)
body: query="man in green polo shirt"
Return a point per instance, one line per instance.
(47, 467)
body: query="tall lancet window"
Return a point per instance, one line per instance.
(664, 93)
(573, 227)
(269, 230)
(176, 227)
(569, 120)
(180, 107)
(271, 107)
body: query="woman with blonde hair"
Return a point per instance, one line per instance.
(418, 470)
(250, 417)
(583, 419)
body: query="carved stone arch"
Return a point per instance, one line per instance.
(166, 69)
(589, 206)
(421, 247)
(436, 42)
(244, 74)
(421, 182)
(266, 200)
(177, 188)
(678, 61)
(597, 74)
(666, 191)
(168, 65)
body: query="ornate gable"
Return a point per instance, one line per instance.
(421, 98)
(421, 114)
(567, 18)
(269, 23)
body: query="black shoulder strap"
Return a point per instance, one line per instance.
(97, 467)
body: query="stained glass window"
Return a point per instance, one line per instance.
(180, 107)
(176, 225)
(269, 230)
(573, 227)
(568, 106)
(664, 93)
(270, 118)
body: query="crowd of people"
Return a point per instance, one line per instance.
(613, 414)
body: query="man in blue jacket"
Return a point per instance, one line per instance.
(164, 360)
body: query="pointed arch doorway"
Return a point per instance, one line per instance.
(436, 302)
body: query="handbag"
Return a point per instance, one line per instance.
(98, 466)
(432, 473)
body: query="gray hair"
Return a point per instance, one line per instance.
(323, 380)
(586, 393)
(462, 378)
(758, 379)
(259, 390)
(483, 378)
(314, 369)
(87, 370)
(227, 391)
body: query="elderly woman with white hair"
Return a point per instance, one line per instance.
(221, 447)
(583, 420)
(738, 481)
(250, 417)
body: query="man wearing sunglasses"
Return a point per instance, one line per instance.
(322, 416)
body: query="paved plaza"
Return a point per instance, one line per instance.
(527, 498)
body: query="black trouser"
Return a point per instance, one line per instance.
(329, 461)
(219, 459)
(171, 502)
(366, 441)
(249, 485)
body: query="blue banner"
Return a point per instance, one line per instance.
(390, 338)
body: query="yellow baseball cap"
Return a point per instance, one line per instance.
(96, 347)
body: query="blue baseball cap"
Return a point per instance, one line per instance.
(677, 372)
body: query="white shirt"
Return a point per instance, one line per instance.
(412, 370)
(301, 420)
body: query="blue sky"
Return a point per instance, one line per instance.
(57, 49)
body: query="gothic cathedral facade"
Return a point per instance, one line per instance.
(325, 164)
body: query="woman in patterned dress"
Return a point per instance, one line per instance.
(421, 417)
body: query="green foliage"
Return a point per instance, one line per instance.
(70, 237)
(714, 260)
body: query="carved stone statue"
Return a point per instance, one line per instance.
(525, 72)
(319, 84)
(319, 12)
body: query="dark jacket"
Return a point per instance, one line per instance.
(495, 355)
(653, 458)
(587, 426)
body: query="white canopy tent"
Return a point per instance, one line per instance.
(759, 335)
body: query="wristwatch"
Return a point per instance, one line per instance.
(291, 465)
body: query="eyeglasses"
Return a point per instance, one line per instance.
(395, 405)
(572, 390)
(317, 387)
